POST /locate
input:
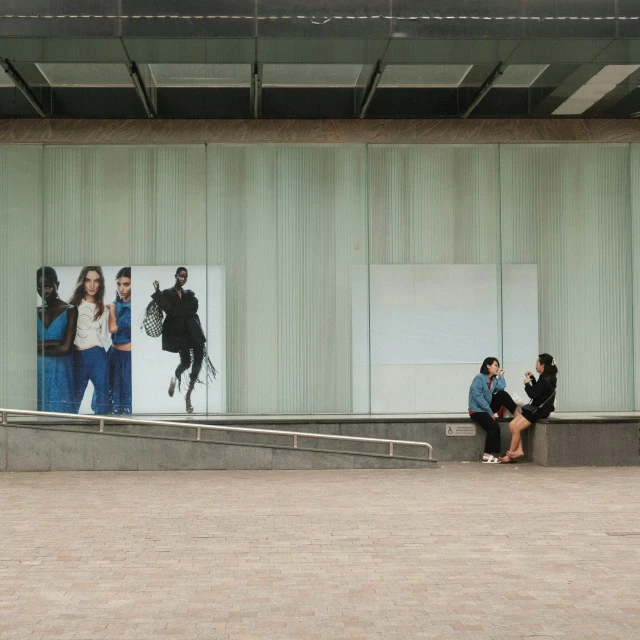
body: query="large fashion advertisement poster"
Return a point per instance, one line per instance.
(99, 350)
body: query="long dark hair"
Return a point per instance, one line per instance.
(550, 373)
(125, 272)
(78, 294)
(486, 363)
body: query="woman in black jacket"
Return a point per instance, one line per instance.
(542, 393)
(181, 330)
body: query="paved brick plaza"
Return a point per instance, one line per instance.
(467, 551)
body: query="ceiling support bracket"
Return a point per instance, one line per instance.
(141, 90)
(372, 85)
(256, 90)
(23, 87)
(484, 89)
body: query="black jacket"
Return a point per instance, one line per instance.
(542, 395)
(181, 328)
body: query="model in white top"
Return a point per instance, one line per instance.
(92, 339)
(89, 331)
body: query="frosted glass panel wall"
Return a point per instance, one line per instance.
(436, 205)
(297, 231)
(125, 204)
(289, 223)
(20, 255)
(635, 242)
(567, 208)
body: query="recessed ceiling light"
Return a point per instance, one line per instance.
(606, 80)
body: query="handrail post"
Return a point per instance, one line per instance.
(198, 434)
(5, 420)
(295, 440)
(101, 425)
(391, 449)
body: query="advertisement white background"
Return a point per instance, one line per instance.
(152, 368)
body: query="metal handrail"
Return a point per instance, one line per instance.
(210, 427)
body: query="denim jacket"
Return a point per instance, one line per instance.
(480, 395)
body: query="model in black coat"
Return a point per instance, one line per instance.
(181, 330)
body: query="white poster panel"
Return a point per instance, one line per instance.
(154, 367)
(150, 368)
(360, 339)
(433, 314)
(217, 338)
(431, 326)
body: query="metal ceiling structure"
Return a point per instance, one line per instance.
(304, 59)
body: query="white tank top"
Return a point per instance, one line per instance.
(90, 332)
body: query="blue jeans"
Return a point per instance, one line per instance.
(92, 364)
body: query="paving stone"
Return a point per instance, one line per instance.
(464, 551)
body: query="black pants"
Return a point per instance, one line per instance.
(185, 363)
(492, 441)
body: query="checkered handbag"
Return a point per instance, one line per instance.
(152, 320)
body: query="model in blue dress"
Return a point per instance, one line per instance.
(56, 330)
(120, 387)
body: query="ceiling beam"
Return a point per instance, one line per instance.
(372, 85)
(484, 89)
(256, 90)
(141, 90)
(24, 88)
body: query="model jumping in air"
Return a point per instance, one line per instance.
(182, 332)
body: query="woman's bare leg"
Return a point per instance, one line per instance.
(516, 426)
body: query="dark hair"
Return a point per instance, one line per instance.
(179, 269)
(125, 272)
(550, 372)
(47, 272)
(78, 294)
(486, 363)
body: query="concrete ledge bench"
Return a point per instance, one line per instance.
(565, 440)
(588, 442)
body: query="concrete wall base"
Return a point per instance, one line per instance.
(31, 448)
(585, 444)
(553, 443)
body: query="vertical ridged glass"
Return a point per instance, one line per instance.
(289, 224)
(20, 256)
(634, 242)
(567, 208)
(435, 204)
(298, 228)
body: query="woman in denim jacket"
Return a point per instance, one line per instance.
(487, 396)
